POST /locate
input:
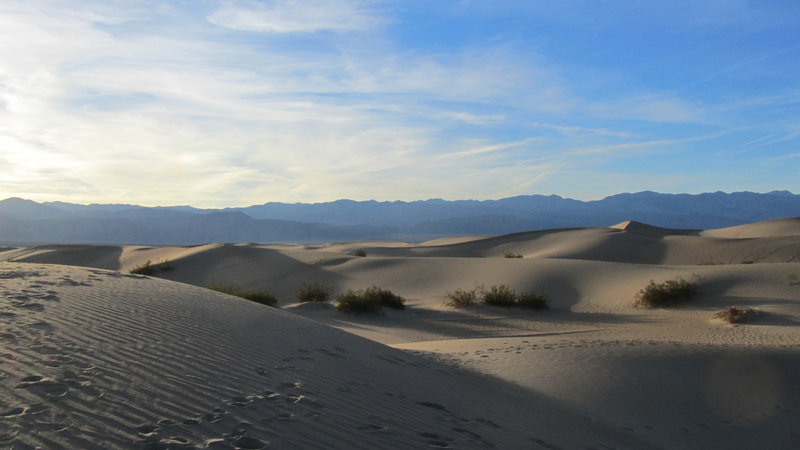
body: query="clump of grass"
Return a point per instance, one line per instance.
(501, 295)
(512, 255)
(360, 252)
(710, 262)
(263, 297)
(666, 293)
(736, 314)
(748, 261)
(462, 298)
(313, 292)
(144, 269)
(150, 269)
(534, 300)
(498, 295)
(369, 300)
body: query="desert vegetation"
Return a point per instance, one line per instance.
(461, 298)
(313, 292)
(736, 314)
(360, 252)
(258, 296)
(512, 255)
(497, 295)
(151, 269)
(666, 293)
(369, 300)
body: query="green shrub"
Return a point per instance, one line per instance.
(736, 314)
(462, 298)
(313, 292)
(263, 297)
(667, 293)
(144, 269)
(360, 252)
(512, 255)
(149, 269)
(501, 295)
(533, 300)
(371, 299)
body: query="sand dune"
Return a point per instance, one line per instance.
(96, 359)
(771, 228)
(592, 371)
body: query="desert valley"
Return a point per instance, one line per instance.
(94, 356)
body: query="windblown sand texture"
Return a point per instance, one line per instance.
(95, 357)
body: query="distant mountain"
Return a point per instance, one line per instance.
(24, 221)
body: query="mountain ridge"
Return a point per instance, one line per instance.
(26, 221)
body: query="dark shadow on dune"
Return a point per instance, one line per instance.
(95, 256)
(477, 321)
(251, 267)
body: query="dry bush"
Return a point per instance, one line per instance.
(313, 292)
(461, 298)
(500, 295)
(263, 297)
(736, 314)
(534, 300)
(371, 299)
(666, 293)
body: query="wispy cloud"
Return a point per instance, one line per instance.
(295, 16)
(576, 130)
(486, 149)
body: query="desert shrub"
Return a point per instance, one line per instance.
(710, 262)
(500, 295)
(371, 299)
(144, 269)
(149, 269)
(736, 314)
(748, 261)
(263, 297)
(512, 255)
(313, 292)
(666, 293)
(385, 297)
(533, 300)
(360, 252)
(461, 298)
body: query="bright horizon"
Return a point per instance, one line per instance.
(238, 103)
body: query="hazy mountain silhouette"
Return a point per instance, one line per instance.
(24, 221)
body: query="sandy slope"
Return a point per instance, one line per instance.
(677, 378)
(95, 359)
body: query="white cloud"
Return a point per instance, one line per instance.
(293, 16)
(487, 149)
(577, 130)
(155, 105)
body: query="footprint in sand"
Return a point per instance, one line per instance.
(43, 386)
(215, 416)
(14, 412)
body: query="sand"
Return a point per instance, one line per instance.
(96, 357)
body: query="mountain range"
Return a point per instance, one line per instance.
(25, 222)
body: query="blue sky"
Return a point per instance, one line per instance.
(233, 103)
